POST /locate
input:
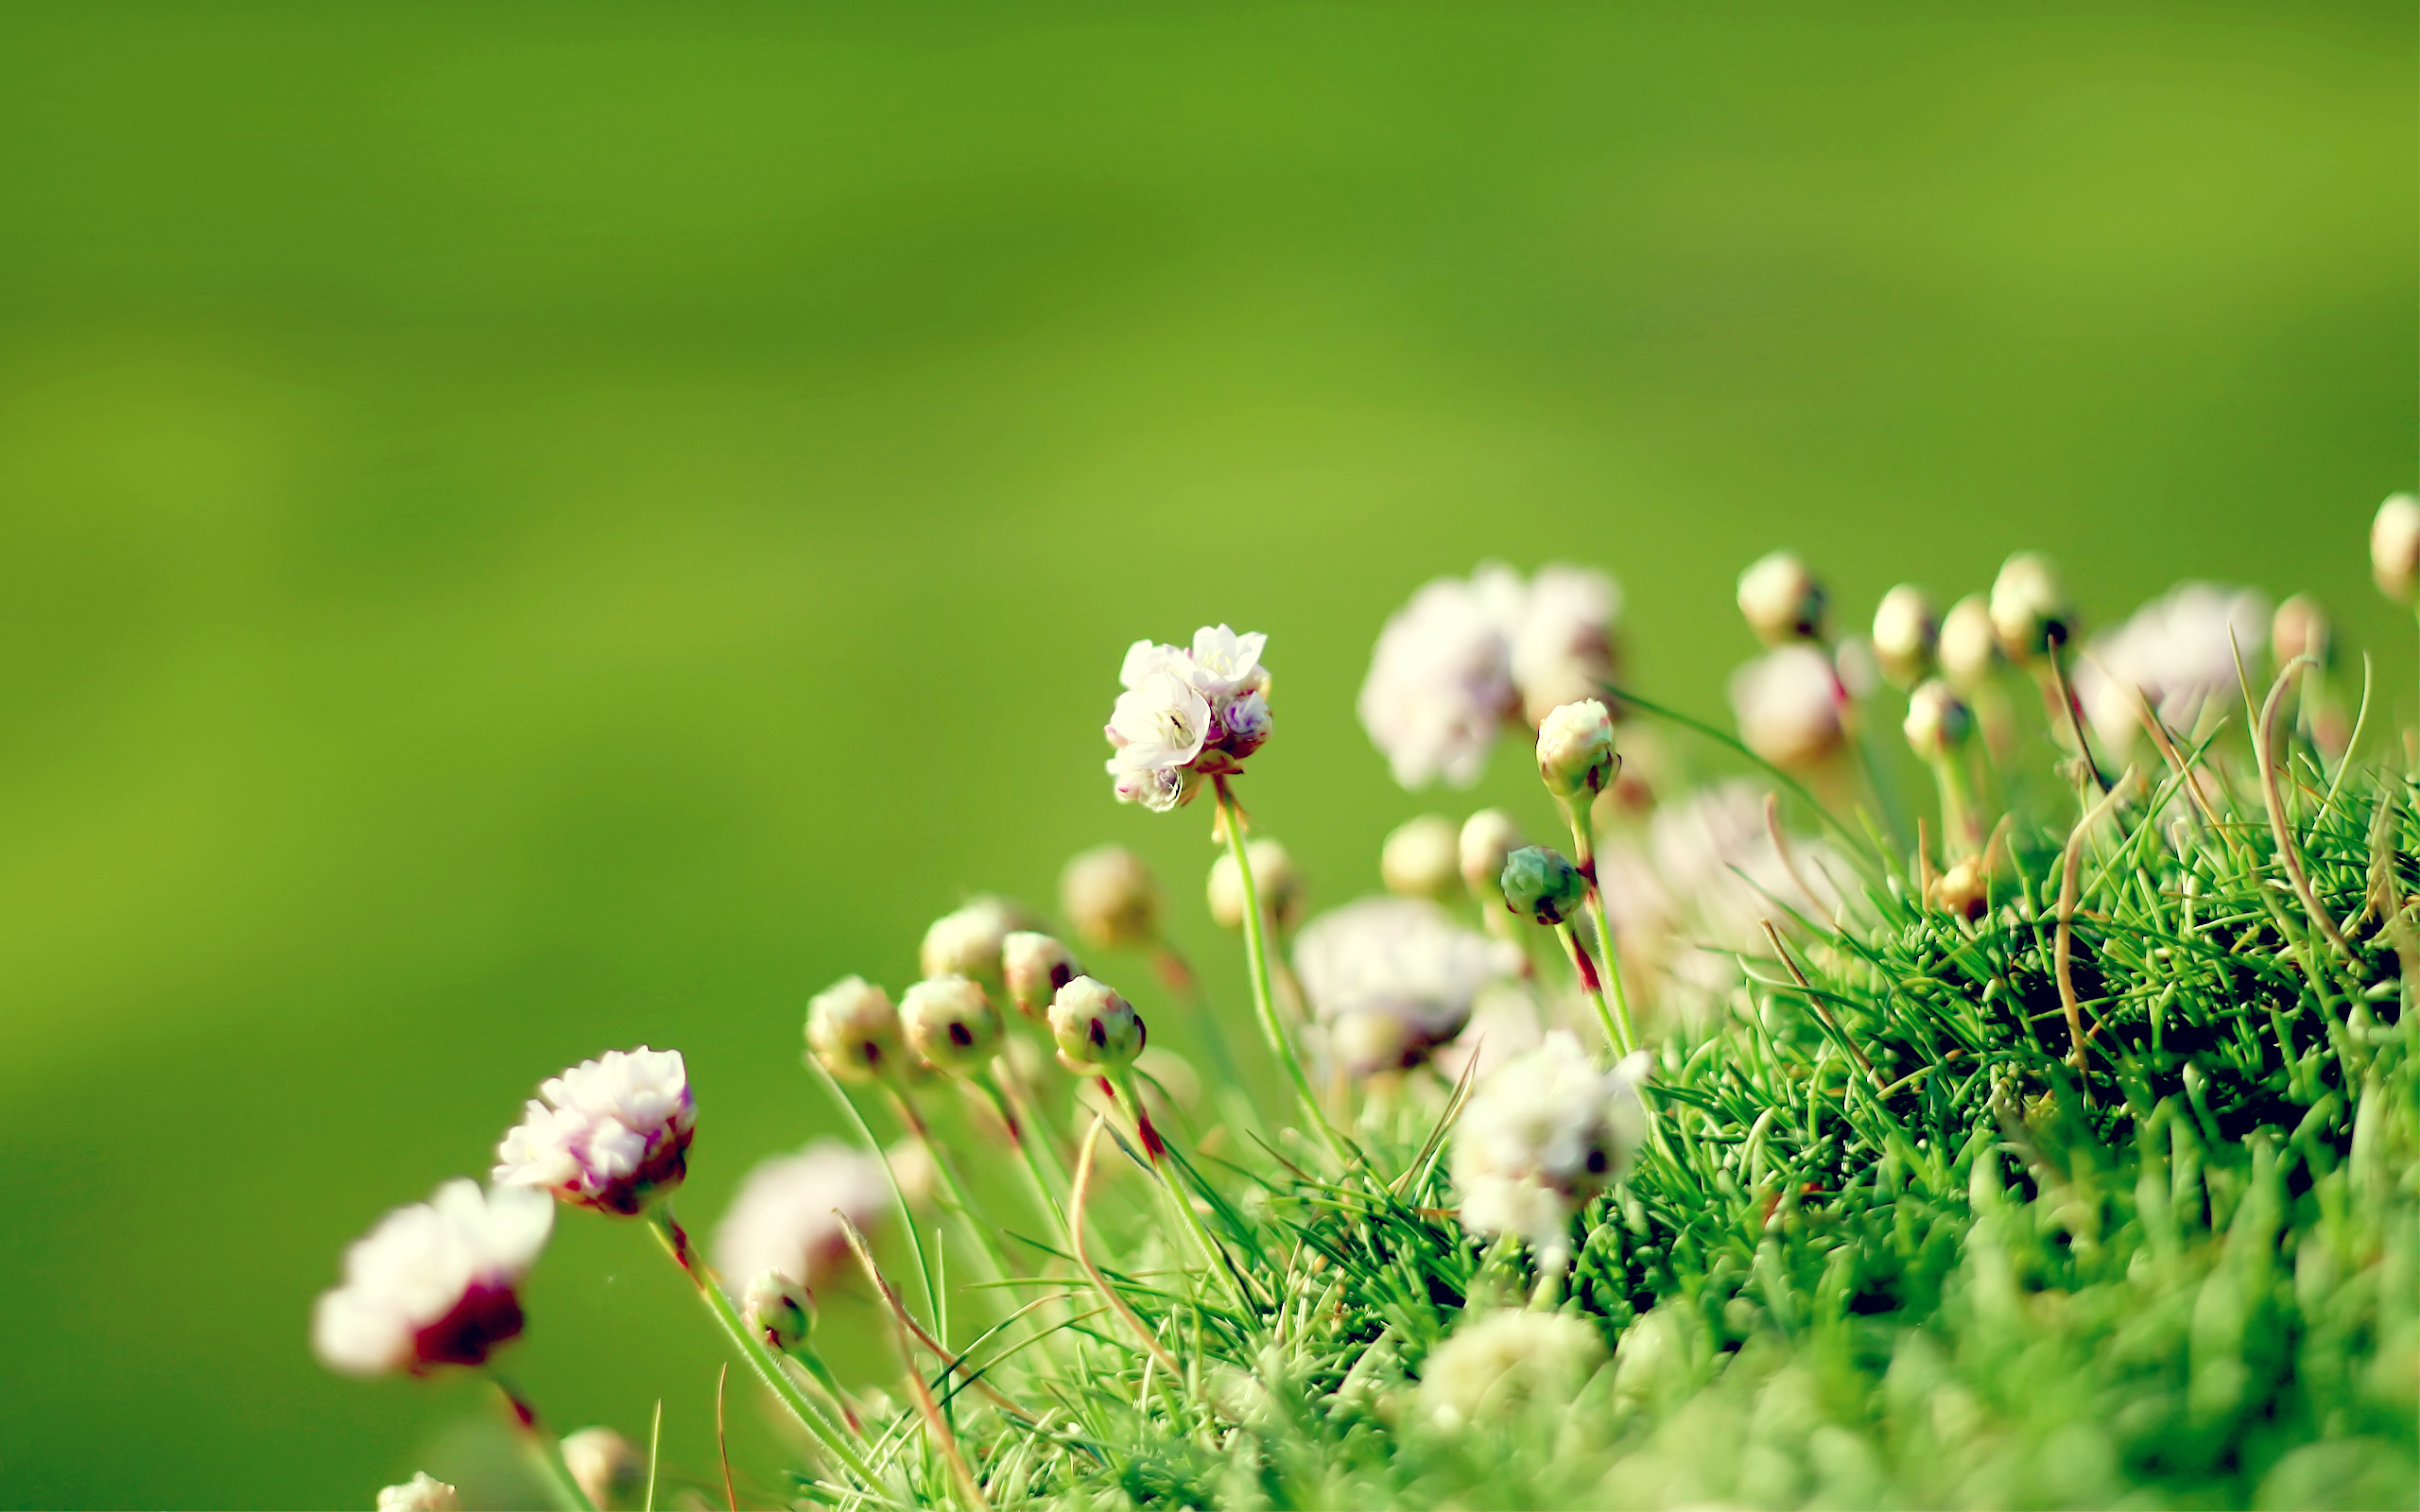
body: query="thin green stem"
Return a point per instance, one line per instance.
(1614, 1031)
(1256, 956)
(1023, 1137)
(544, 1448)
(986, 1238)
(1583, 846)
(1121, 1085)
(898, 1194)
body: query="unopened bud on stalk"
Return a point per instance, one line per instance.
(602, 1463)
(1488, 837)
(1963, 890)
(1938, 722)
(1541, 883)
(1969, 647)
(1095, 1027)
(966, 942)
(421, 1493)
(1907, 632)
(1576, 755)
(2029, 607)
(1036, 967)
(1789, 704)
(852, 1029)
(1781, 600)
(951, 1024)
(2299, 628)
(779, 1311)
(1422, 858)
(1273, 875)
(1110, 897)
(2394, 547)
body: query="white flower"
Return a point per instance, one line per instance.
(1225, 664)
(1788, 703)
(611, 1133)
(1937, 723)
(421, 1493)
(2180, 650)
(1715, 853)
(434, 1283)
(1403, 966)
(1439, 686)
(1161, 721)
(1110, 897)
(951, 1024)
(1563, 650)
(1543, 1133)
(1576, 754)
(1186, 716)
(781, 1220)
(1500, 1363)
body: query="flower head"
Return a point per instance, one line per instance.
(2179, 651)
(781, 1219)
(1035, 967)
(1488, 837)
(1543, 1133)
(1421, 858)
(421, 1493)
(1907, 631)
(1781, 600)
(2394, 547)
(2299, 628)
(1540, 883)
(1187, 714)
(1094, 1028)
(779, 1311)
(854, 1030)
(1391, 977)
(1110, 897)
(434, 1283)
(1938, 722)
(1575, 756)
(966, 941)
(611, 1133)
(1969, 647)
(1564, 649)
(1501, 1363)
(2030, 609)
(951, 1024)
(1273, 876)
(1788, 702)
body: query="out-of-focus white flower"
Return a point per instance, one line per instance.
(434, 1283)
(1095, 1027)
(966, 941)
(1503, 1024)
(1110, 897)
(1401, 963)
(1488, 837)
(1187, 714)
(421, 1493)
(2180, 650)
(1789, 704)
(1422, 857)
(950, 1022)
(1273, 876)
(1938, 722)
(1564, 649)
(1905, 632)
(2029, 607)
(1781, 600)
(611, 1133)
(1544, 1133)
(853, 1031)
(602, 1464)
(1970, 648)
(781, 1220)
(1575, 756)
(2394, 547)
(1505, 1362)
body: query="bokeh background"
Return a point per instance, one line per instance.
(530, 528)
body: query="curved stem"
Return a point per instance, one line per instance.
(1583, 847)
(1256, 956)
(544, 1448)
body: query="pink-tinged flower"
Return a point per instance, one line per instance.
(781, 1220)
(1393, 977)
(2180, 649)
(1545, 1131)
(611, 1133)
(1788, 702)
(1564, 649)
(1186, 716)
(434, 1283)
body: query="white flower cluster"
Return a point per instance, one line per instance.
(1790, 704)
(1546, 1130)
(1500, 1363)
(2180, 649)
(1187, 714)
(782, 1219)
(611, 1133)
(1391, 977)
(434, 1283)
(1467, 656)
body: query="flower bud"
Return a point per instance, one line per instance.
(1094, 1027)
(1245, 720)
(1938, 722)
(2299, 628)
(913, 1167)
(1488, 837)
(779, 1311)
(1781, 600)
(1964, 889)
(1273, 877)
(602, 1463)
(1036, 967)
(1110, 897)
(1576, 755)
(1540, 883)
(1789, 705)
(421, 1493)
(1906, 633)
(852, 1029)
(1422, 858)
(2394, 547)
(2029, 607)
(966, 942)
(1969, 647)
(950, 1022)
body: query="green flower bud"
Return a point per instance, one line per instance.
(852, 1029)
(1540, 883)
(780, 1312)
(1095, 1028)
(1035, 967)
(951, 1024)
(1576, 755)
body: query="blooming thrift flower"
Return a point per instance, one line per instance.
(1969, 647)
(610, 1134)
(1564, 649)
(1439, 686)
(1906, 633)
(421, 1493)
(434, 1283)
(1273, 876)
(1035, 967)
(1789, 704)
(966, 941)
(781, 1219)
(2394, 547)
(603, 1463)
(1390, 977)
(951, 1024)
(1110, 897)
(1543, 1134)
(1781, 599)
(854, 1030)
(2179, 651)
(2029, 607)
(1502, 1362)
(1187, 714)
(1093, 1027)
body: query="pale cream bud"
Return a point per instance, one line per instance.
(2299, 628)
(852, 1029)
(1488, 837)
(1938, 722)
(1110, 897)
(966, 941)
(1576, 755)
(1789, 705)
(421, 1493)
(1421, 858)
(1094, 1027)
(1970, 648)
(778, 1311)
(1781, 600)
(1964, 889)
(2029, 607)
(2394, 547)
(1906, 633)
(1036, 967)
(602, 1464)
(1273, 877)
(951, 1024)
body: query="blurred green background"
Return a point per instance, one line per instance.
(532, 528)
